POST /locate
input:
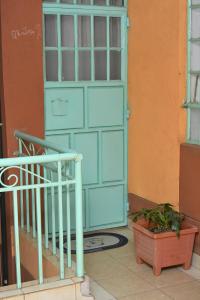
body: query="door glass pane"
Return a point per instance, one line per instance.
(116, 2)
(67, 1)
(195, 23)
(67, 31)
(52, 65)
(99, 2)
(99, 31)
(115, 32)
(195, 89)
(51, 39)
(195, 57)
(115, 65)
(68, 69)
(84, 65)
(100, 65)
(83, 2)
(84, 32)
(195, 125)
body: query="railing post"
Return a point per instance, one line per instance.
(60, 208)
(69, 256)
(79, 219)
(39, 236)
(17, 246)
(46, 221)
(53, 216)
(27, 201)
(33, 201)
(21, 192)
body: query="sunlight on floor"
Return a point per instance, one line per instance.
(115, 275)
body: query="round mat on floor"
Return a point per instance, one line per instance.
(100, 241)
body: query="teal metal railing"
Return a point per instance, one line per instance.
(34, 179)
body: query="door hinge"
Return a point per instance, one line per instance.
(127, 206)
(127, 22)
(128, 114)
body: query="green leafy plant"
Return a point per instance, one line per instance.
(161, 218)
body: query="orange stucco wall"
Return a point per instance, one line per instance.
(157, 62)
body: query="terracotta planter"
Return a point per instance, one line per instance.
(163, 249)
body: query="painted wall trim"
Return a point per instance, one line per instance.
(136, 202)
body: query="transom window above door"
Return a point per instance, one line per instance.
(89, 2)
(83, 47)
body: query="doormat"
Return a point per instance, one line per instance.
(95, 242)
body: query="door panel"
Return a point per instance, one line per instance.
(86, 100)
(105, 106)
(87, 144)
(60, 139)
(103, 201)
(64, 108)
(112, 156)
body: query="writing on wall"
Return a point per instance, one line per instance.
(26, 32)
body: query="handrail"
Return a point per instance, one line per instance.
(44, 180)
(46, 144)
(39, 159)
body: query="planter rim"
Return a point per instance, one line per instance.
(140, 226)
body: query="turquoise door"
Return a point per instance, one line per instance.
(85, 63)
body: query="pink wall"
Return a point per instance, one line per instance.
(21, 79)
(21, 38)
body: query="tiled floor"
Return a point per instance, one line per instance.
(115, 275)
